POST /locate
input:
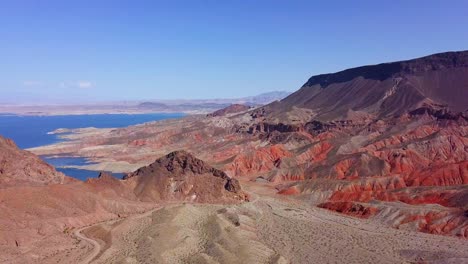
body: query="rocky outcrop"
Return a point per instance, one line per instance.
(268, 127)
(20, 167)
(181, 176)
(350, 208)
(439, 113)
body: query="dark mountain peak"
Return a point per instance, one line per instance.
(384, 71)
(377, 91)
(180, 175)
(179, 163)
(182, 161)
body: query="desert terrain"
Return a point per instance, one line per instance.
(366, 165)
(269, 229)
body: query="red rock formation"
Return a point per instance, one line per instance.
(414, 164)
(258, 160)
(350, 208)
(20, 167)
(441, 175)
(181, 176)
(316, 153)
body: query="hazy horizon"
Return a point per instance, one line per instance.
(56, 52)
(134, 101)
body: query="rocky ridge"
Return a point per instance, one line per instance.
(181, 176)
(20, 167)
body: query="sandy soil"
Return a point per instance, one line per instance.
(269, 229)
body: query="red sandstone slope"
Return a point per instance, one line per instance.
(410, 170)
(181, 176)
(20, 167)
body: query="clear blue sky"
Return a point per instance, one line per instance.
(71, 51)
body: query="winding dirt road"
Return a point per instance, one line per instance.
(94, 243)
(97, 248)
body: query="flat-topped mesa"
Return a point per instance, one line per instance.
(181, 176)
(434, 62)
(377, 91)
(232, 109)
(20, 167)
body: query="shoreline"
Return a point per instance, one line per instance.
(54, 132)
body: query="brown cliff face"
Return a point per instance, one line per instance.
(181, 176)
(20, 167)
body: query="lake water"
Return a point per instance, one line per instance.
(61, 163)
(31, 131)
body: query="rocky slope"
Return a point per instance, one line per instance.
(38, 221)
(20, 167)
(378, 91)
(181, 176)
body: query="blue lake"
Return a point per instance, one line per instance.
(31, 131)
(61, 163)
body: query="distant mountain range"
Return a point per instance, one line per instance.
(198, 106)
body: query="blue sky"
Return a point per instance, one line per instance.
(75, 51)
